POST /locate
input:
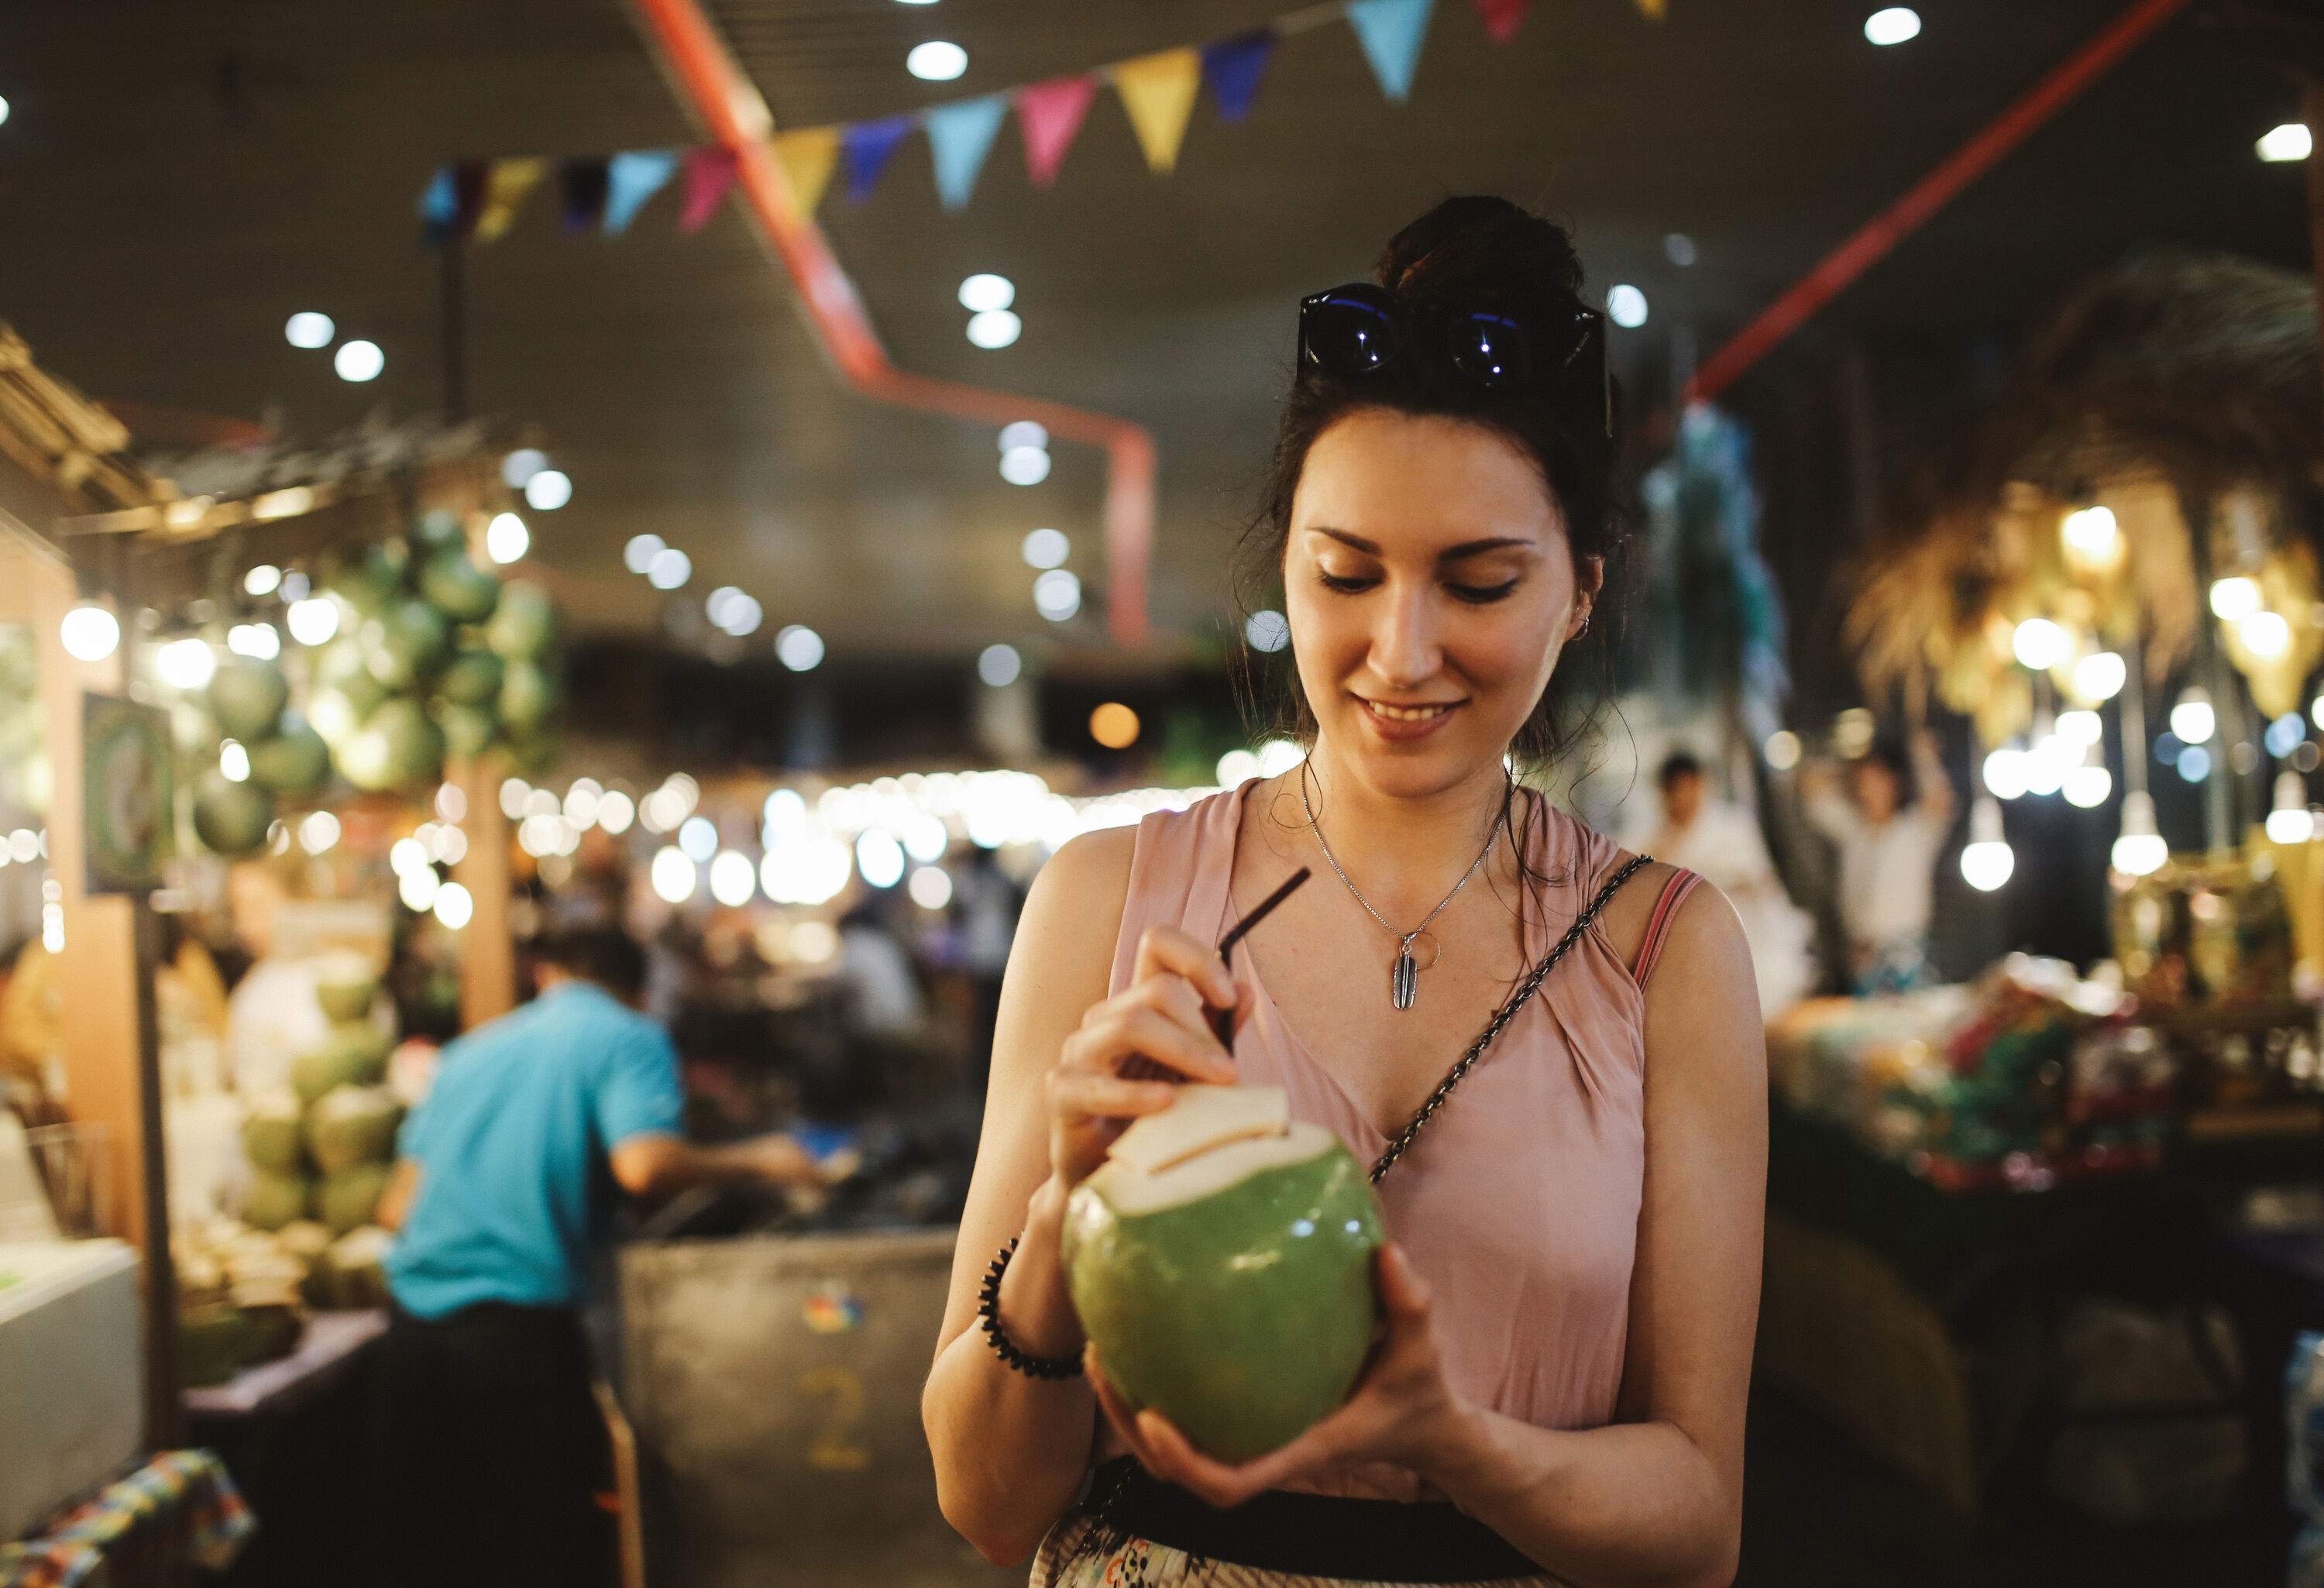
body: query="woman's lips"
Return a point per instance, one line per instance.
(1403, 724)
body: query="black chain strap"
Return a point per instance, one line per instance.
(1501, 1017)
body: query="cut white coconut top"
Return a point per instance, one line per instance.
(1200, 1117)
(1129, 1190)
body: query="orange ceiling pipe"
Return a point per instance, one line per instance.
(735, 114)
(1873, 240)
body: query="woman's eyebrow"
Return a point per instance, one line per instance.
(1449, 554)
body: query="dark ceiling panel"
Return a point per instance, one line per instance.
(178, 179)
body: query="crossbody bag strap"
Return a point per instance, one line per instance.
(1502, 1016)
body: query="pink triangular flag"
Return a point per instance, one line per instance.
(709, 172)
(1050, 116)
(1503, 17)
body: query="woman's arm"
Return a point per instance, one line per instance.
(1010, 1449)
(1656, 1497)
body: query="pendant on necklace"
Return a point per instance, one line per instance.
(1404, 981)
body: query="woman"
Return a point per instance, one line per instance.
(1570, 1289)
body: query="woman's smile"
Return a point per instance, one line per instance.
(1403, 723)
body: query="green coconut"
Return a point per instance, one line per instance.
(468, 730)
(352, 1272)
(350, 1198)
(345, 985)
(370, 580)
(437, 528)
(215, 1342)
(271, 1138)
(353, 1125)
(293, 760)
(1231, 1288)
(305, 1240)
(524, 623)
(404, 645)
(354, 1054)
(528, 696)
(399, 745)
(231, 818)
(246, 694)
(272, 1200)
(461, 590)
(473, 676)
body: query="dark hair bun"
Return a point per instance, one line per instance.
(1483, 246)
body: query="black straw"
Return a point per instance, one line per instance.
(1222, 1020)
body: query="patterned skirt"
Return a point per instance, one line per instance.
(1083, 1551)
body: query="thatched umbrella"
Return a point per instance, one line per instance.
(2181, 392)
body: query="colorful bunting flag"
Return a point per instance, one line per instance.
(632, 177)
(709, 172)
(1158, 92)
(507, 183)
(808, 156)
(960, 135)
(1232, 67)
(581, 185)
(1503, 17)
(867, 146)
(480, 199)
(1050, 116)
(1391, 32)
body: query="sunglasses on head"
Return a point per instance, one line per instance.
(1361, 330)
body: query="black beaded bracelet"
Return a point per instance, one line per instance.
(988, 1313)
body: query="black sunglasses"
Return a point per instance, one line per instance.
(1361, 331)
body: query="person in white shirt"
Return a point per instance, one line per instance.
(1888, 851)
(1720, 841)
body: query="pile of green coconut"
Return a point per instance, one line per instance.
(435, 658)
(320, 1152)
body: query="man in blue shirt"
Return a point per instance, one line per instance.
(493, 1448)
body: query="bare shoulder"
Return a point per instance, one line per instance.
(1702, 1001)
(1065, 939)
(1088, 878)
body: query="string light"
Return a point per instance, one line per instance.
(1987, 861)
(90, 633)
(2139, 851)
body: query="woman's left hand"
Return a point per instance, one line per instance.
(1400, 1411)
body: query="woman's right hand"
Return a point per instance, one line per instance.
(1163, 1017)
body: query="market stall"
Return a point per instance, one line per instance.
(2002, 1215)
(248, 693)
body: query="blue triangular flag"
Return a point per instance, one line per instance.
(865, 148)
(439, 206)
(1232, 68)
(632, 177)
(1391, 32)
(960, 135)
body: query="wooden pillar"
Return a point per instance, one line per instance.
(487, 953)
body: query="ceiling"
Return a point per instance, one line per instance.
(177, 179)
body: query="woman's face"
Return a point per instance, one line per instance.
(1429, 588)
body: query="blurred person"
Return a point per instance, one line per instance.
(880, 994)
(1720, 841)
(986, 904)
(491, 1449)
(1572, 1277)
(1888, 829)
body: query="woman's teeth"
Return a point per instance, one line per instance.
(1408, 713)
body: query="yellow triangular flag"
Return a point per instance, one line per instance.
(808, 155)
(1158, 91)
(506, 183)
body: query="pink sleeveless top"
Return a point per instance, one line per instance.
(1518, 1203)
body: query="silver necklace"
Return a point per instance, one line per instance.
(1404, 978)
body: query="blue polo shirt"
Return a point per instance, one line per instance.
(511, 1146)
